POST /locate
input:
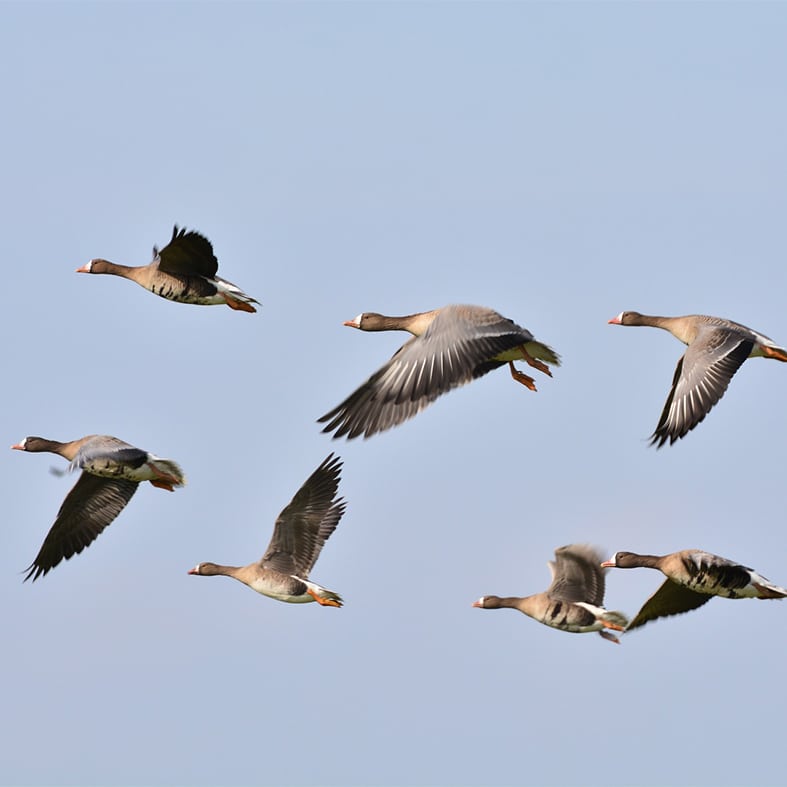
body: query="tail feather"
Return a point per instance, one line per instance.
(769, 591)
(542, 352)
(168, 470)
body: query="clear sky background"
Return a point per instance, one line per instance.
(558, 162)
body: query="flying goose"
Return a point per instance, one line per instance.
(183, 271)
(111, 472)
(299, 534)
(716, 349)
(694, 577)
(573, 602)
(450, 347)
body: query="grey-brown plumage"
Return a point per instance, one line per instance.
(716, 350)
(450, 347)
(111, 472)
(299, 535)
(574, 601)
(183, 271)
(694, 577)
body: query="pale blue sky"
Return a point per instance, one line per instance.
(559, 162)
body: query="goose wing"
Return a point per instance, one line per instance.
(700, 380)
(187, 253)
(670, 599)
(577, 575)
(110, 449)
(89, 507)
(304, 526)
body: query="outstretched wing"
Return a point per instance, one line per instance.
(304, 526)
(701, 378)
(458, 346)
(189, 253)
(577, 575)
(670, 599)
(89, 507)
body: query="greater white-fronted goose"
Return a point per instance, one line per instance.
(299, 534)
(183, 271)
(573, 602)
(111, 472)
(716, 349)
(450, 347)
(694, 577)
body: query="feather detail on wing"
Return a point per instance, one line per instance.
(670, 599)
(700, 380)
(188, 253)
(89, 507)
(577, 575)
(304, 526)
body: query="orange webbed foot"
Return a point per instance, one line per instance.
(613, 626)
(323, 602)
(521, 377)
(536, 364)
(162, 484)
(239, 306)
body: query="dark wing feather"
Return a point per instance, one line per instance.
(578, 575)
(457, 347)
(670, 599)
(188, 253)
(89, 507)
(700, 380)
(304, 526)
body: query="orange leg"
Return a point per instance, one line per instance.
(162, 484)
(240, 306)
(531, 361)
(613, 626)
(325, 602)
(769, 352)
(521, 377)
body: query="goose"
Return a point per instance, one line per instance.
(716, 350)
(111, 472)
(450, 347)
(299, 534)
(573, 602)
(694, 577)
(183, 271)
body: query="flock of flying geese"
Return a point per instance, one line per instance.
(449, 347)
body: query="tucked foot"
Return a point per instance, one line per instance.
(240, 306)
(610, 637)
(531, 361)
(325, 602)
(521, 377)
(610, 625)
(162, 483)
